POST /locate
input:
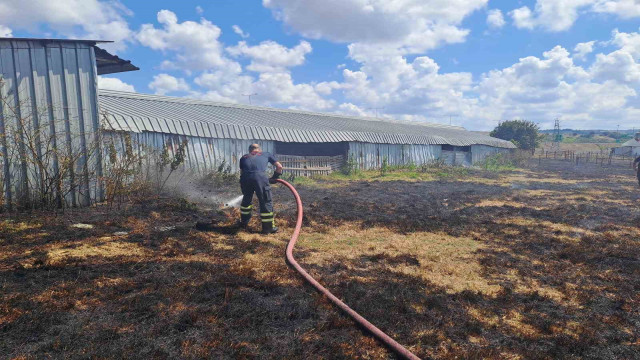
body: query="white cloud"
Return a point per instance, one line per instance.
(406, 89)
(522, 18)
(408, 26)
(71, 18)
(534, 88)
(239, 31)
(269, 56)
(495, 19)
(109, 83)
(195, 45)
(351, 109)
(199, 10)
(272, 88)
(164, 83)
(5, 31)
(581, 50)
(629, 42)
(618, 65)
(624, 8)
(196, 49)
(279, 88)
(541, 89)
(538, 88)
(560, 15)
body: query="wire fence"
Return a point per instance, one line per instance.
(604, 157)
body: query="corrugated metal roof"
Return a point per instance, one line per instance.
(632, 143)
(138, 111)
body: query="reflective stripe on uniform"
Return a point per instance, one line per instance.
(267, 217)
(246, 210)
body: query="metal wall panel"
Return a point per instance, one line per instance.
(481, 152)
(371, 156)
(49, 108)
(202, 154)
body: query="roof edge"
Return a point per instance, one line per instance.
(55, 40)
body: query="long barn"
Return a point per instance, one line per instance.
(54, 123)
(221, 132)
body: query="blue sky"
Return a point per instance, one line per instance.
(476, 62)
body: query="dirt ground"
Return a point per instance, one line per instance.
(535, 263)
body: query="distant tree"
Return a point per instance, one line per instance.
(524, 134)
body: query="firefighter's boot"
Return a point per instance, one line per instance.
(268, 223)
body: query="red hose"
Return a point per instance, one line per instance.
(384, 338)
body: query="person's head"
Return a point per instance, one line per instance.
(254, 147)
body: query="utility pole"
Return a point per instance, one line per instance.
(557, 136)
(249, 96)
(376, 110)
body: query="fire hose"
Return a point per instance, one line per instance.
(379, 334)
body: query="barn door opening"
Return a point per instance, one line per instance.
(311, 159)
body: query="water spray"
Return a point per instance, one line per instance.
(233, 203)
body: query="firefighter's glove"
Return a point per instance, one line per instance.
(276, 176)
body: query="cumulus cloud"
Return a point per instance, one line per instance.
(195, 45)
(199, 10)
(629, 42)
(623, 8)
(239, 31)
(618, 65)
(560, 15)
(537, 88)
(583, 49)
(269, 56)
(72, 18)
(495, 19)
(276, 88)
(5, 31)
(164, 84)
(109, 83)
(540, 89)
(195, 48)
(408, 26)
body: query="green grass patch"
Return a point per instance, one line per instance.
(498, 163)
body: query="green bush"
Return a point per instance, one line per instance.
(350, 166)
(498, 162)
(385, 168)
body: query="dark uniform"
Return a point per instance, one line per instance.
(636, 162)
(254, 179)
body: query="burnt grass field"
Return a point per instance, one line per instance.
(535, 263)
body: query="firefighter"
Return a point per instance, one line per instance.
(636, 167)
(254, 179)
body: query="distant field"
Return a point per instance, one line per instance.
(539, 262)
(582, 147)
